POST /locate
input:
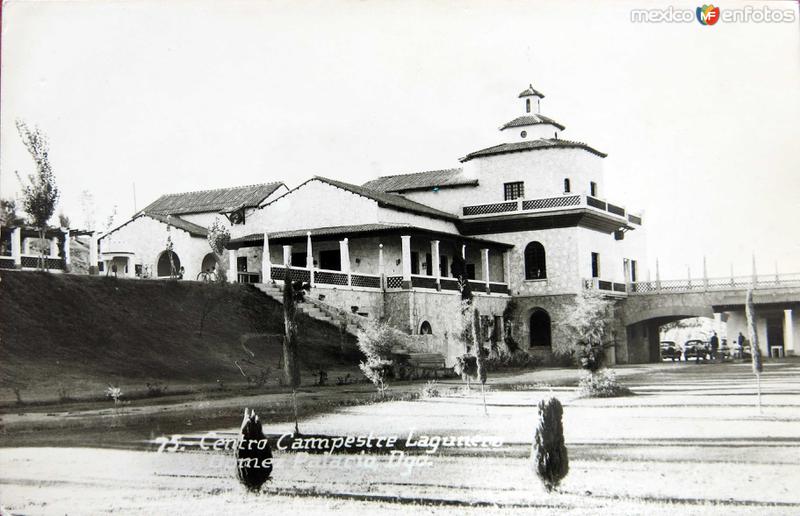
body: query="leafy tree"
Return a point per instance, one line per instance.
(8, 213)
(587, 324)
(40, 194)
(376, 340)
(218, 238)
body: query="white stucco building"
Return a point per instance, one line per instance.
(528, 215)
(138, 248)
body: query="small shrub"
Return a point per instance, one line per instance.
(254, 455)
(430, 390)
(376, 341)
(517, 359)
(548, 453)
(115, 393)
(602, 384)
(466, 367)
(156, 389)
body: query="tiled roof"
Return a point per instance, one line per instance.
(389, 200)
(173, 220)
(532, 120)
(543, 143)
(530, 92)
(317, 232)
(421, 181)
(222, 199)
(353, 232)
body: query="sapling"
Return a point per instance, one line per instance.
(755, 351)
(549, 453)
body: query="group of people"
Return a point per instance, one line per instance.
(714, 347)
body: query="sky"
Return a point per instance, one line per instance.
(140, 98)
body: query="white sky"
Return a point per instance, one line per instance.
(700, 123)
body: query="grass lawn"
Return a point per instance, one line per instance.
(689, 442)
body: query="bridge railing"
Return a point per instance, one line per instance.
(763, 281)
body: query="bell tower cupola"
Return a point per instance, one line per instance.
(532, 100)
(532, 124)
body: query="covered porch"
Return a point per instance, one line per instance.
(21, 247)
(376, 257)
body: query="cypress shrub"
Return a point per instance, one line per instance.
(549, 454)
(253, 455)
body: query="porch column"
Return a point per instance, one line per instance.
(436, 264)
(788, 332)
(485, 267)
(405, 241)
(16, 247)
(287, 255)
(266, 261)
(344, 258)
(234, 273)
(309, 259)
(381, 267)
(54, 247)
(93, 254)
(506, 267)
(67, 256)
(464, 252)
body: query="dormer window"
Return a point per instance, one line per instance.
(566, 185)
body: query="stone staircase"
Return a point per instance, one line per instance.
(316, 309)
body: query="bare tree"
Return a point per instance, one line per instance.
(40, 194)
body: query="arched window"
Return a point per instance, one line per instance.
(535, 263)
(425, 328)
(527, 105)
(167, 267)
(540, 329)
(566, 185)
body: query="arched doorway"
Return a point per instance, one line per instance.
(540, 333)
(209, 263)
(425, 328)
(167, 267)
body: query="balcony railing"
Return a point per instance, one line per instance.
(448, 284)
(763, 281)
(6, 262)
(31, 261)
(326, 277)
(549, 203)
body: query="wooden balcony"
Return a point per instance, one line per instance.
(549, 204)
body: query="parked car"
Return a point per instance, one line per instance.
(670, 350)
(695, 348)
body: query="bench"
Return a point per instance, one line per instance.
(420, 365)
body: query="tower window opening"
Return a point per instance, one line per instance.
(566, 185)
(527, 105)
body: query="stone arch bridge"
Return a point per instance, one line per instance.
(648, 305)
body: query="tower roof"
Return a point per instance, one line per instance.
(531, 92)
(532, 120)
